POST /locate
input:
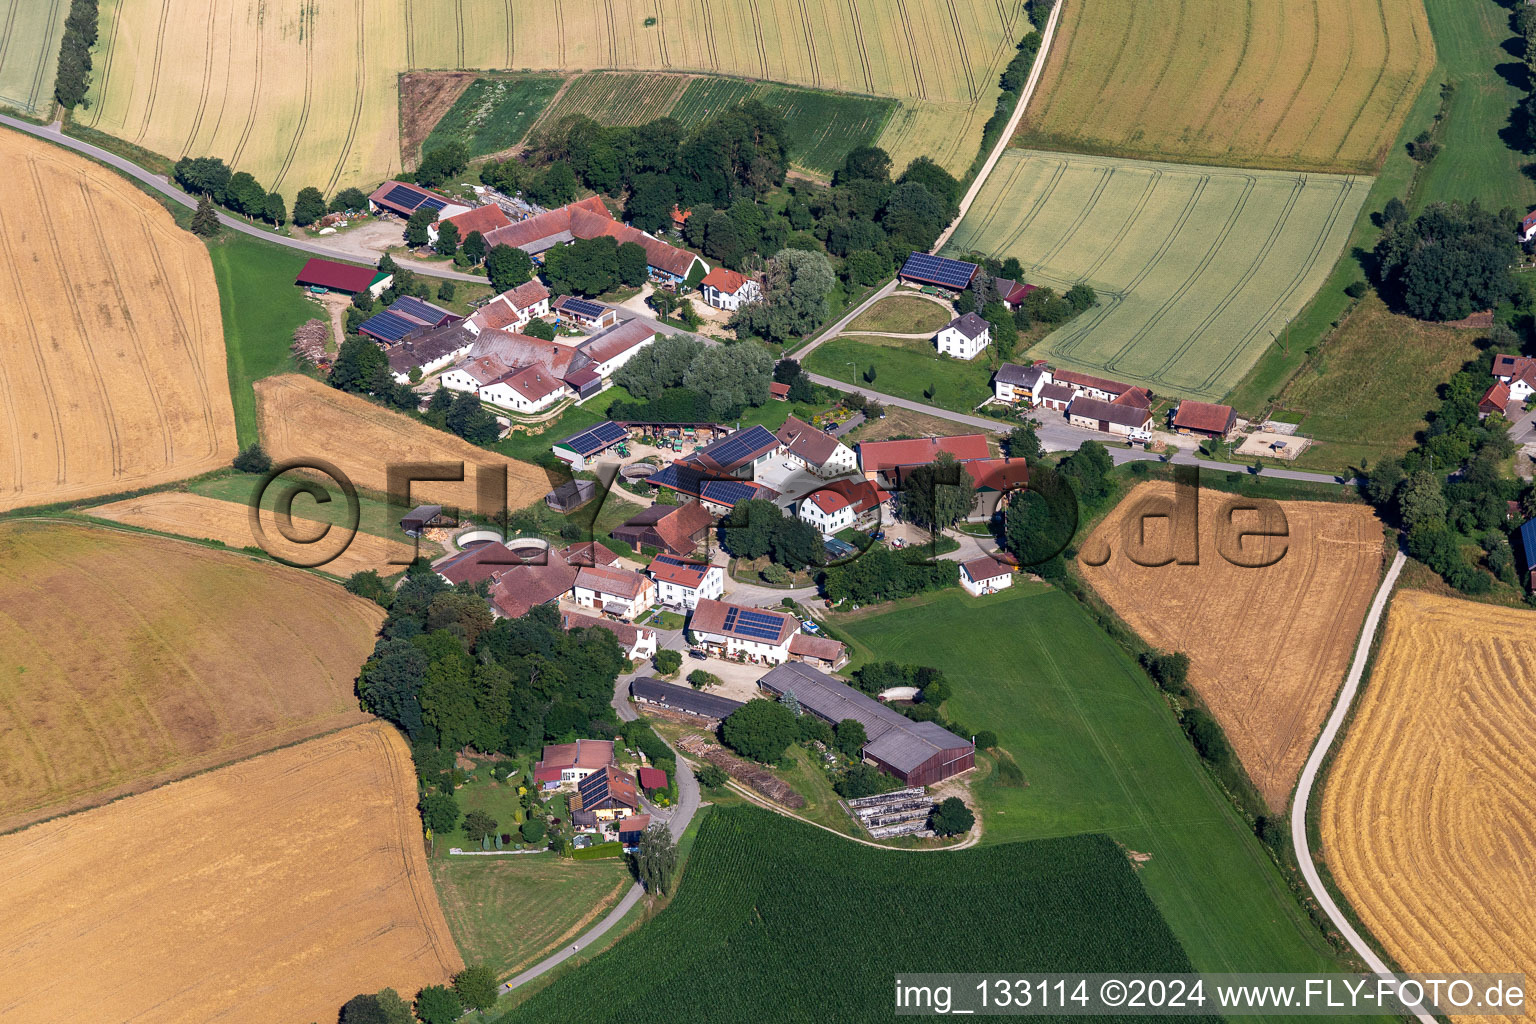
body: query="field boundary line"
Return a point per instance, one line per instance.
(858, 38)
(1006, 136)
(1309, 772)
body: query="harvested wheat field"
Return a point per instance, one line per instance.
(1428, 819)
(1268, 647)
(113, 377)
(302, 418)
(128, 660)
(203, 518)
(271, 890)
(1319, 85)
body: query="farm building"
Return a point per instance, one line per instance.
(623, 593)
(513, 309)
(479, 562)
(1133, 422)
(964, 337)
(572, 762)
(483, 219)
(686, 699)
(1015, 383)
(732, 631)
(580, 448)
(821, 651)
(1525, 547)
(682, 583)
(587, 552)
(816, 450)
(521, 388)
(1203, 419)
(424, 517)
(995, 479)
(344, 278)
(887, 458)
(1528, 222)
(428, 353)
(631, 828)
(616, 346)
(985, 575)
(403, 199)
(1089, 386)
(726, 289)
(637, 641)
(917, 753)
(608, 793)
(778, 391)
(1012, 293)
(1518, 372)
(571, 495)
(516, 585)
(675, 529)
(585, 313)
(1053, 396)
(718, 496)
(589, 218)
(403, 317)
(739, 453)
(652, 778)
(842, 504)
(938, 271)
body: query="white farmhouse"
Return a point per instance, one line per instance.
(1015, 383)
(732, 631)
(985, 575)
(840, 505)
(964, 337)
(1519, 372)
(816, 450)
(619, 592)
(683, 583)
(726, 289)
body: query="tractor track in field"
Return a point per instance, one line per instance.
(1317, 33)
(560, 31)
(1381, 72)
(709, 36)
(1162, 72)
(250, 114)
(410, 35)
(5, 36)
(917, 65)
(1082, 216)
(309, 93)
(810, 43)
(154, 74)
(510, 39)
(1242, 57)
(359, 83)
(858, 38)
(42, 60)
(106, 68)
(458, 24)
(1153, 180)
(757, 37)
(45, 384)
(965, 57)
(1338, 80)
(202, 99)
(661, 36)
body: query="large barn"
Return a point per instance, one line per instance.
(918, 753)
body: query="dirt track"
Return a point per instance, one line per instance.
(301, 418)
(271, 890)
(113, 377)
(1268, 647)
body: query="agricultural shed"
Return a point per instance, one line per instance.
(633, 827)
(648, 690)
(483, 219)
(403, 198)
(405, 316)
(1494, 400)
(616, 346)
(675, 529)
(1204, 419)
(652, 778)
(778, 391)
(940, 271)
(585, 312)
(586, 444)
(739, 451)
(1101, 388)
(571, 495)
(1131, 421)
(587, 552)
(918, 753)
(342, 277)
(423, 516)
(638, 642)
(1527, 546)
(877, 457)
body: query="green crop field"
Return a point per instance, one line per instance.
(764, 897)
(1318, 85)
(1194, 266)
(30, 31)
(821, 126)
(1100, 752)
(308, 94)
(494, 113)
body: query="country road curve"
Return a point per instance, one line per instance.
(1314, 764)
(54, 133)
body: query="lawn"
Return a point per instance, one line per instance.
(532, 442)
(507, 912)
(902, 314)
(907, 368)
(494, 114)
(1368, 391)
(374, 515)
(261, 306)
(1100, 752)
(764, 896)
(498, 799)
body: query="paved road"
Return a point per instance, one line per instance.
(1314, 765)
(53, 133)
(1013, 124)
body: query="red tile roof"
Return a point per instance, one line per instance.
(534, 383)
(1139, 397)
(522, 587)
(709, 617)
(608, 580)
(778, 390)
(525, 295)
(591, 754)
(822, 648)
(652, 778)
(626, 633)
(1086, 380)
(342, 277)
(637, 823)
(1515, 368)
(678, 527)
(861, 494)
(984, 568)
(998, 474)
(727, 281)
(802, 439)
(1204, 417)
(609, 786)
(481, 562)
(875, 456)
(687, 574)
(481, 219)
(1495, 399)
(588, 552)
(544, 225)
(618, 340)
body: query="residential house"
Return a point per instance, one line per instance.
(1130, 421)
(1519, 373)
(683, 583)
(1015, 383)
(817, 450)
(1203, 419)
(677, 530)
(648, 690)
(527, 390)
(611, 349)
(1494, 400)
(1528, 222)
(518, 589)
(964, 337)
(403, 199)
(514, 309)
(735, 631)
(344, 278)
(985, 575)
(883, 460)
(638, 642)
(613, 591)
(632, 828)
(994, 480)
(726, 289)
(1011, 293)
(608, 793)
(586, 314)
(483, 219)
(842, 504)
(572, 762)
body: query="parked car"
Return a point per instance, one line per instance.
(877, 535)
(694, 652)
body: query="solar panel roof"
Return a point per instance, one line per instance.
(581, 307)
(595, 439)
(939, 270)
(404, 195)
(388, 326)
(728, 492)
(741, 445)
(432, 201)
(758, 625)
(412, 306)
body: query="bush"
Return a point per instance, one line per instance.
(760, 729)
(253, 459)
(667, 662)
(478, 825)
(700, 678)
(986, 739)
(952, 817)
(533, 830)
(711, 776)
(476, 987)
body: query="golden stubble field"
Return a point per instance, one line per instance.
(302, 418)
(1319, 85)
(113, 374)
(1268, 647)
(303, 94)
(204, 518)
(128, 660)
(270, 890)
(1428, 819)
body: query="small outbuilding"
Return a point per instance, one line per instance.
(985, 575)
(345, 278)
(423, 517)
(1204, 419)
(571, 495)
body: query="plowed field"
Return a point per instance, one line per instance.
(1268, 647)
(113, 372)
(271, 890)
(1429, 817)
(303, 419)
(128, 660)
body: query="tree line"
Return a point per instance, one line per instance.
(685, 381)
(73, 76)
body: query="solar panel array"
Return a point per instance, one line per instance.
(939, 270)
(594, 440)
(755, 624)
(581, 307)
(388, 326)
(728, 492)
(412, 306)
(741, 445)
(403, 195)
(432, 201)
